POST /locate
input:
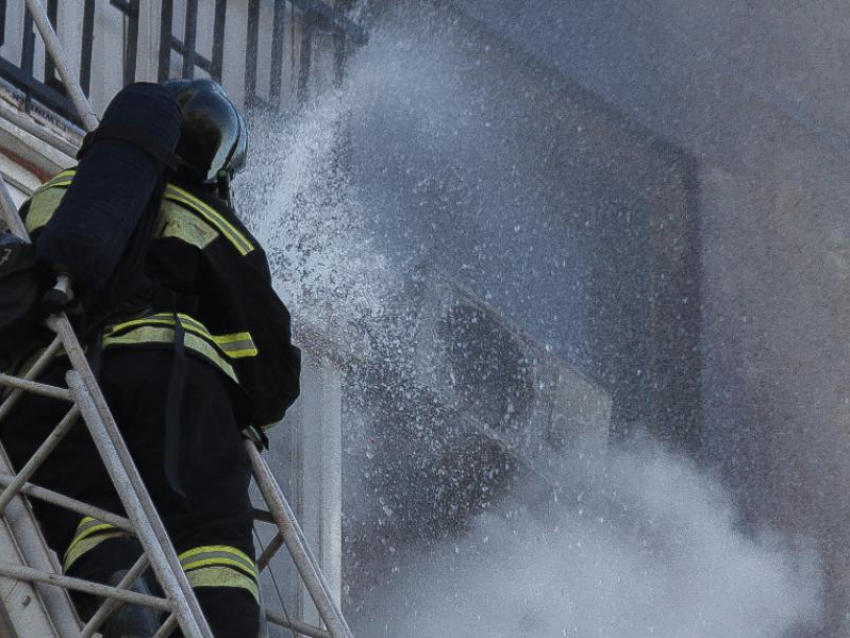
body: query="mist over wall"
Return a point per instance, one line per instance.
(438, 170)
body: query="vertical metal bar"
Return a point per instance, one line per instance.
(190, 39)
(295, 542)
(131, 47)
(28, 55)
(306, 57)
(54, 49)
(2, 22)
(251, 53)
(49, 68)
(166, 19)
(88, 45)
(218, 39)
(28, 51)
(278, 30)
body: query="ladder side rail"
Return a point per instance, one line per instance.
(167, 572)
(163, 556)
(20, 523)
(295, 542)
(263, 563)
(20, 520)
(57, 55)
(128, 482)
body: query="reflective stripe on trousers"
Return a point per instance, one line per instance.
(220, 566)
(90, 533)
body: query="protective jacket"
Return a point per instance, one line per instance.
(212, 293)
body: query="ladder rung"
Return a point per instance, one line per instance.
(270, 551)
(168, 626)
(55, 498)
(109, 606)
(42, 389)
(36, 460)
(85, 586)
(296, 626)
(264, 516)
(35, 369)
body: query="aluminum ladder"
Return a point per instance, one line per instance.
(39, 604)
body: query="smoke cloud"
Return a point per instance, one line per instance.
(643, 546)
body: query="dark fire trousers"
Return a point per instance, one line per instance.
(211, 526)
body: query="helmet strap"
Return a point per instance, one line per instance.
(223, 189)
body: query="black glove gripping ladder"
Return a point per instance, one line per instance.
(39, 604)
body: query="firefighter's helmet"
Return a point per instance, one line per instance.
(214, 139)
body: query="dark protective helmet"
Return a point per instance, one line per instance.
(214, 137)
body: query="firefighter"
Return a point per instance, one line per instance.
(206, 360)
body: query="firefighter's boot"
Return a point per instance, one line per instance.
(132, 621)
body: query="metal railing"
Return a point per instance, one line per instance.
(39, 82)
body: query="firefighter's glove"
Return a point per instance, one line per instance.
(58, 298)
(256, 435)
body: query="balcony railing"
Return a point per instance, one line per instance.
(261, 50)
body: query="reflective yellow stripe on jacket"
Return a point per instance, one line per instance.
(159, 328)
(217, 220)
(45, 200)
(182, 215)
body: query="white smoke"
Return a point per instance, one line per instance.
(646, 547)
